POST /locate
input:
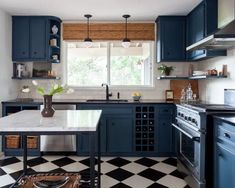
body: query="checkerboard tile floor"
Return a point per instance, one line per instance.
(117, 172)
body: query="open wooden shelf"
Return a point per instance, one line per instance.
(36, 78)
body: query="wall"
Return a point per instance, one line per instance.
(156, 92)
(8, 86)
(211, 90)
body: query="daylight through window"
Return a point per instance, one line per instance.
(109, 62)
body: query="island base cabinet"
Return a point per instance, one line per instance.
(224, 167)
(120, 135)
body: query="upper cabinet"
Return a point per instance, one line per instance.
(201, 22)
(171, 32)
(175, 33)
(34, 40)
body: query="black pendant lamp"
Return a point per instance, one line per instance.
(126, 42)
(87, 40)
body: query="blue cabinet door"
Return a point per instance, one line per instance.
(20, 38)
(83, 145)
(119, 134)
(165, 135)
(38, 38)
(196, 29)
(171, 38)
(224, 167)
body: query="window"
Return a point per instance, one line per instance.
(109, 62)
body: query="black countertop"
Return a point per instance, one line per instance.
(84, 101)
(229, 118)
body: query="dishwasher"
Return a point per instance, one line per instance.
(59, 143)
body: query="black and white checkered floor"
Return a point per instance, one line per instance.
(124, 172)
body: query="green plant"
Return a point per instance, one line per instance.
(166, 70)
(54, 89)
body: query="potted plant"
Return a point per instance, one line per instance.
(165, 70)
(48, 110)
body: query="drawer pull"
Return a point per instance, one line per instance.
(227, 135)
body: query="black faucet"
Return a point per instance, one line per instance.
(107, 91)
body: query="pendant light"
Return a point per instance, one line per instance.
(126, 42)
(88, 41)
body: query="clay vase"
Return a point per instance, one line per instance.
(48, 110)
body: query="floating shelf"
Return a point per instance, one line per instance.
(55, 35)
(57, 47)
(36, 78)
(189, 78)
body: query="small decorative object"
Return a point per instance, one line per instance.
(136, 96)
(225, 70)
(48, 110)
(55, 57)
(53, 42)
(165, 70)
(54, 29)
(169, 95)
(212, 72)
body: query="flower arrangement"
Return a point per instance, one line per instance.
(48, 110)
(54, 89)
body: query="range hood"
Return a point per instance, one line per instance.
(224, 38)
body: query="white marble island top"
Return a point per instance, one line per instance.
(62, 121)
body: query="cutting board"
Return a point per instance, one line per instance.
(178, 85)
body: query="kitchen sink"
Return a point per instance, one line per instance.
(107, 101)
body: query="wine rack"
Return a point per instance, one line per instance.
(144, 128)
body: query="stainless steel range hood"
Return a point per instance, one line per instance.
(224, 38)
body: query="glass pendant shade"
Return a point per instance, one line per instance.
(126, 42)
(87, 42)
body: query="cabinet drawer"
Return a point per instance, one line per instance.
(226, 132)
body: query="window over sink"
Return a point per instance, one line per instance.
(109, 62)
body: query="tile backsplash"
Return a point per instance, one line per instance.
(156, 92)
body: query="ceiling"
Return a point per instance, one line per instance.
(102, 10)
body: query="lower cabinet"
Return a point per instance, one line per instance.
(224, 167)
(12, 144)
(165, 135)
(119, 134)
(224, 155)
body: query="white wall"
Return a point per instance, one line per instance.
(211, 90)
(8, 87)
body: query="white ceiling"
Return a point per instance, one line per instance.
(102, 10)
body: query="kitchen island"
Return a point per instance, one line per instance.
(30, 122)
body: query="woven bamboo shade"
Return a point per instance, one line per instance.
(109, 31)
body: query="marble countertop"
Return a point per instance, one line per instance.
(62, 121)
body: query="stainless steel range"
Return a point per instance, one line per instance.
(195, 140)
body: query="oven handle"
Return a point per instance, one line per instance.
(194, 138)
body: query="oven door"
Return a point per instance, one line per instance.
(190, 150)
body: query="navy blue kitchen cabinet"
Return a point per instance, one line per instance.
(31, 37)
(165, 142)
(116, 129)
(38, 38)
(201, 22)
(20, 41)
(171, 38)
(119, 134)
(11, 150)
(224, 155)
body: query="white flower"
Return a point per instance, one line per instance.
(35, 82)
(56, 86)
(70, 90)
